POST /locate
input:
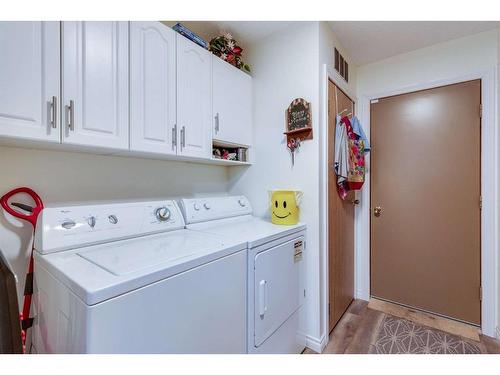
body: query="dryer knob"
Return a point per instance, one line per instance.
(207, 206)
(242, 202)
(196, 207)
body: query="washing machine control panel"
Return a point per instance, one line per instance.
(65, 227)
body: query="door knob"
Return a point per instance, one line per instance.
(377, 211)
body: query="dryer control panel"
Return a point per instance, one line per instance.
(73, 226)
(197, 210)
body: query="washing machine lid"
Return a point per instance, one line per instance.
(100, 272)
(253, 230)
(131, 257)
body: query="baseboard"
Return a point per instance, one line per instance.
(361, 294)
(316, 344)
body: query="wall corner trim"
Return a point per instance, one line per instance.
(316, 344)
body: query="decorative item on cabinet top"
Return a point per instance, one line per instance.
(184, 31)
(226, 47)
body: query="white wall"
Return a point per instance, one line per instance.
(64, 176)
(441, 61)
(430, 65)
(327, 42)
(284, 67)
(287, 65)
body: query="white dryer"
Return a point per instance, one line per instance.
(276, 291)
(129, 278)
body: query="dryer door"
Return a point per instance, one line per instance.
(277, 285)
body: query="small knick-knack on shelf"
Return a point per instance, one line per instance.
(225, 47)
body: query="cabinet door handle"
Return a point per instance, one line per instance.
(71, 115)
(216, 122)
(183, 136)
(53, 112)
(174, 137)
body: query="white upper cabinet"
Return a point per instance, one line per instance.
(194, 104)
(119, 86)
(152, 88)
(95, 84)
(29, 80)
(232, 103)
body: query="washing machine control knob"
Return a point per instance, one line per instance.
(91, 221)
(162, 213)
(68, 224)
(207, 206)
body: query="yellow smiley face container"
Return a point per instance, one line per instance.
(284, 206)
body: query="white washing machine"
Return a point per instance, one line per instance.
(129, 278)
(276, 291)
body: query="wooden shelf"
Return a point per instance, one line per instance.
(298, 131)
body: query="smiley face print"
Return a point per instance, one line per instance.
(284, 208)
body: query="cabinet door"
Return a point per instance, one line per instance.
(232, 103)
(152, 88)
(194, 103)
(29, 80)
(95, 84)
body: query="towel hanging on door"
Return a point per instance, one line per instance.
(358, 130)
(350, 152)
(341, 158)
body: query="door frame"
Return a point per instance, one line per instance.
(328, 74)
(328, 203)
(489, 186)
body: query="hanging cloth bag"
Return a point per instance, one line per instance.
(356, 165)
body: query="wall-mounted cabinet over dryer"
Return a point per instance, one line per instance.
(131, 88)
(232, 96)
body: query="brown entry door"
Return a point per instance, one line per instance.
(425, 200)
(340, 221)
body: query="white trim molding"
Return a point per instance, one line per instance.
(489, 190)
(316, 344)
(327, 75)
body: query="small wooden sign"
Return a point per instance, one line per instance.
(298, 120)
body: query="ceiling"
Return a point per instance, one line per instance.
(364, 41)
(369, 41)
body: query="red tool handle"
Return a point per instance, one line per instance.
(26, 321)
(32, 217)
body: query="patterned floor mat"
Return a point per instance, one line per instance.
(401, 336)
